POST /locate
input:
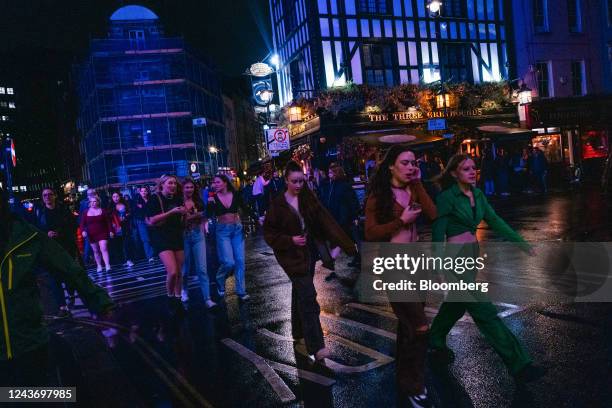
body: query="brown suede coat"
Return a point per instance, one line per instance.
(282, 224)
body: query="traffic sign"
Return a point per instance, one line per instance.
(278, 139)
(193, 168)
(13, 154)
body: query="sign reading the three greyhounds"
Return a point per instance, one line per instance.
(278, 139)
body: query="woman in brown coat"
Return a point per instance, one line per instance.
(395, 201)
(294, 223)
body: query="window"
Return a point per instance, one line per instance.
(11, 105)
(573, 15)
(373, 6)
(609, 13)
(9, 91)
(578, 78)
(540, 16)
(4, 118)
(3, 104)
(2, 90)
(379, 64)
(543, 78)
(456, 63)
(454, 8)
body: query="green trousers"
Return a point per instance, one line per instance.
(490, 325)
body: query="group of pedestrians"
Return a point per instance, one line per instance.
(395, 201)
(523, 171)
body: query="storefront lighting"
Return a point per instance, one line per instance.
(213, 149)
(443, 100)
(295, 114)
(524, 95)
(265, 95)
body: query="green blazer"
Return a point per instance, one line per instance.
(456, 216)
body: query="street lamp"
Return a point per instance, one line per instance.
(213, 149)
(275, 60)
(295, 114)
(524, 95)
(443, 99)
(434, 7)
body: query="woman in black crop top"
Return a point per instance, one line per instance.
(165, 218)
(225, 206)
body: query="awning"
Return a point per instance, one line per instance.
(505, 132)
(387, 137)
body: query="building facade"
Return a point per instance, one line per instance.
(327, 43)
(606, 60)
(557, 46)
(560, 57)
(8, 118)
(148, 105)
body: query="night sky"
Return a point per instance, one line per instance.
(234, 33)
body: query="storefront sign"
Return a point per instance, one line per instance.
(570, 111)
(304, 128)
(419, 115)
(436, 124)
(278, 139)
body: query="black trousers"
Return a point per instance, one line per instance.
(305, 310)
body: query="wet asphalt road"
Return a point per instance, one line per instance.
(241, 354)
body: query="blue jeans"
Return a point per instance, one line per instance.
(143, 234)
(195, 254)
(230, 249)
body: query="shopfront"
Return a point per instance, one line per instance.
(573, 132)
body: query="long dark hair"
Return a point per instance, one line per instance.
(227, 181)
(380, 185)
(307, 201)
(446, 179)
(197, 198)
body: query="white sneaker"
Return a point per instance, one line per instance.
(184, 296)
(108, 269)
(210, 304)
(151, 260)
(99, 269)
(129, 264)
(244, 297)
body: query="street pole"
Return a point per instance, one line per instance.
(8, 167)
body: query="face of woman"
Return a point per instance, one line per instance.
(331, 175)
(116, 198)
(295, 182)
(219, 185)
(466, 172)
(188, 189)
(94, 203)
(404, 168)
(169, 186)
(144, 192)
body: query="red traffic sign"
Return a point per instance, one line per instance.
(13, 154)
(280, 135)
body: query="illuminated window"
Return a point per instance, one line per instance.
(9, 91)
(11, 105)
(2, 90)
(4, 118)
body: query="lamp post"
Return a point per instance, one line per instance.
(435, 7)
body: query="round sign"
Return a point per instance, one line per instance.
(13, 154)
(280, 136)
(193, 167)
(260, 69)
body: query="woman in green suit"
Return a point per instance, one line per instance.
(461, 208)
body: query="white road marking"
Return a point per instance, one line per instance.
(277, 384)
(305, 374)
(362, 326)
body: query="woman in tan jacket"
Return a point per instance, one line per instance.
(395, 201)
(294, 223)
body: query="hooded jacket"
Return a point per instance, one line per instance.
(22, 328)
